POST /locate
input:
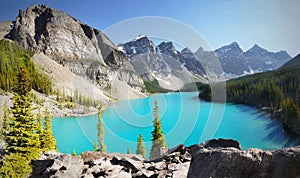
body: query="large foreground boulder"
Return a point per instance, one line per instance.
(211, 160)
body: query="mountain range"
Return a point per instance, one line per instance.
(79, 48)
(232, 59)
(91, 55)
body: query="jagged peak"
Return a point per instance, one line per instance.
(142, 36)
(235, 44)
(257, 47)
(169, 43)
(186, 49)
(231, 46)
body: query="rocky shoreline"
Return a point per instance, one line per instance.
(214, 158)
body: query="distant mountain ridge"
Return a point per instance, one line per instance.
(171, 68)
(234, 61)
(276, 91)
(292, 64)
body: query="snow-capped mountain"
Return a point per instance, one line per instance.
(162, 62)
(235, 62)
(260, 59)
(226, 62)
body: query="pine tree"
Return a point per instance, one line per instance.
(40, 130)
(74, 152)
(100, 128)
(22, 142)
(50, 142)
(140, 146)
(22, 137)
(5, 121)
(158, 140)
(128, 151)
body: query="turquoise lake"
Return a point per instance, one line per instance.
(185, 119)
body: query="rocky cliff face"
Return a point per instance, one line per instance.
(226, 62)
(82, 49)
(260, 59)
(214, 158)
(162, 62)
(235, 62)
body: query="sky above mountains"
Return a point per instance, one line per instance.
(273, 24)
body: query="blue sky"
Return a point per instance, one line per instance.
(272, 24)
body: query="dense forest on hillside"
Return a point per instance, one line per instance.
(278, 91)
(12, 57)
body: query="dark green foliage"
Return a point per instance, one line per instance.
(153, 87)
(128, 151)
(292, 64)
(278, 90)
(50, 142)
(158, 140)
(22, 140)
(74, 152)
(39, 129)
(5, 122)
(100, 129)
(15, 166)
(12, 57)
(140, 146)
(196, 86)
(21, 136)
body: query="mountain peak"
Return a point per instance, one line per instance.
(141, 37)
(140, 45)
(234, 44)
(256, 47)
(168, 48)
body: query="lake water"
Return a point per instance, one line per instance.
(185, 119)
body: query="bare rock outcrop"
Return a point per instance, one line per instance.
(214, 158)
(224, 158)
(84, 50)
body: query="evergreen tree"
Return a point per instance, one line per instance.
(140, 146)
(5, 121)
(22, 142)
(100, 129)
(128, 151)
(15, 166)
(50, 142)
(95, 146)
(74, 152)
(158, 140)
(40, 130)
(22, 137)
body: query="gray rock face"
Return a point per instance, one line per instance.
(162, 62)
(82, 49)
(236, 62)
(191, 62)
(229, 161)
(214, 158)
(95, 164)
(232, 59)
(260, 59)
(228, 61)
(53, 32)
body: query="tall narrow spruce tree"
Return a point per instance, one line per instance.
(100, 129)
(158, 140)
(40, 130)
(50, 142)
(21, 136)
(5, 121)
(140, 146)
(22, 142)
